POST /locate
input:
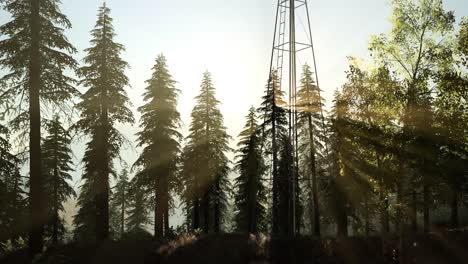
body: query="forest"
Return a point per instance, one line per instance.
(380, 176)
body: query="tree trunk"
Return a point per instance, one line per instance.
(217, 211)
(313, 168)
(56, 206)
(454, 220)
(426, 195)
(38, 214)
(196, 214)
(158, 210)
(102, 190)
(414, 210)
(206, 211)
(342, 222)
(166, 207)
(367, 218)
(384, 219)
(252, 198)
(122, 213)
(275, 215)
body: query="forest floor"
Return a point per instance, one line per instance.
(435, 248)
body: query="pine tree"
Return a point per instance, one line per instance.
(119, 204)
(37, 54)
(205, 164)
(13, 203)
(311, 138)
(137, 210)
(103, 105)
(284, 187)
(251, 193)
(160, 139)
(274, 126)
(56, 163)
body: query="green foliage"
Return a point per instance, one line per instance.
(159, 137)
(250, 187)
(54, 59)
(311, 149)
(119, 204)
(57, 166)
(13, 203)
(137, 211)
(274, 126)
(104, 104)
(205, 164)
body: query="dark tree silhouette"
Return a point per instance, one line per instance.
(160, 139)
(56, 163)
(205, 165)
(137, 209)
(36, 53)
(251, 193)
(13, 203)
(119, 204)
(104, 104)
(311, 137)
(274, 126)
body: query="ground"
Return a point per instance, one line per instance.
(442, 247)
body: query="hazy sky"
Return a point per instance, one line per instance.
(232, 39)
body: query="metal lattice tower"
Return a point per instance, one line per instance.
(289, 41)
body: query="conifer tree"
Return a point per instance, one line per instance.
(36, 53)
(251, 193)
(205, 164)
(13, 203)
(137, 212)
(57, 162)
(311, 132)
(119, 204)
(160, 138)
(274, 126)
(104, 104)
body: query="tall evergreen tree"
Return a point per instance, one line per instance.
(57, 162)
(274, 127)
(37, 53)
(13, 201)
(311, 137)
(119, 204)
(205, 163)
(104, 104)
(160, 139)
(251, 192)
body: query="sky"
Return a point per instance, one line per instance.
(232, 39)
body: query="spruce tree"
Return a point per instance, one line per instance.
(104, 104)
(205, 163)
(119, 204)
(160, 139)
(13, 203)
(274, 127)
(311, 138)
(251, 193)
(56, 163)
(36, 53)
